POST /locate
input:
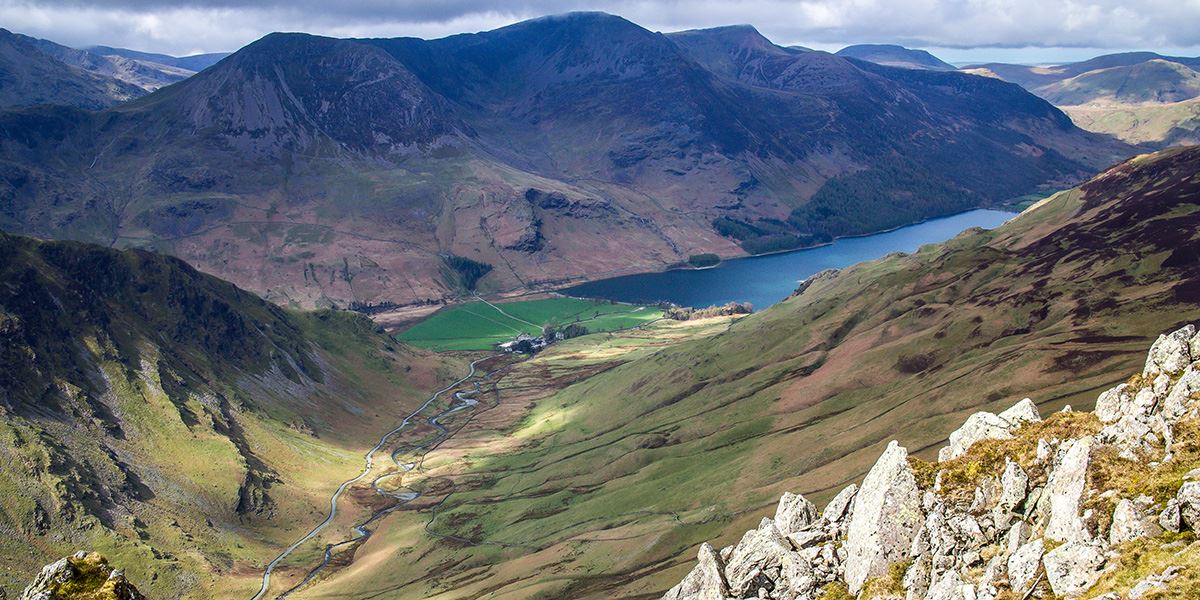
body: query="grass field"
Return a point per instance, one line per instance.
(479, 325)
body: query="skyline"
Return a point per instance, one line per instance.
(1066, 32)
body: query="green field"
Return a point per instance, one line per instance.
(477, 325)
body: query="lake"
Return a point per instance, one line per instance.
(765, 280)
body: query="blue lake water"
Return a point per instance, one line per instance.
(765, 280)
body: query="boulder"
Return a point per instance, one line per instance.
(705, 582)
(1115, 403)
(950, 586)
(1132, 520)
(1023, 565)
(985, 425)
(1154, 584)
(1014, 486)
(1064, 494)
(1171, 518)
(885, 519)
(1171, 352)
(760, 552)
(83, 575)
(1179, 399)
(837, 509)
(1073, 568)
(1188, 498)
(794, 513)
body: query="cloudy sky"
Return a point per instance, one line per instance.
(957, 30)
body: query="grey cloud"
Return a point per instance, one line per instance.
(186, 25)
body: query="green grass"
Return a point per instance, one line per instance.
(478, 326)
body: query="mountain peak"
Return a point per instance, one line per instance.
(892, 55)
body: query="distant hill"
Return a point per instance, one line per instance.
(1139, 97)
(320, 171)
(194, 63)
(146, 75)
(29, 76)
(895, 56)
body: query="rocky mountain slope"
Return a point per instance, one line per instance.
(321, 171)
(81, 576)
(1102, 505)
(896, 56)
(182, 426)
(29, 76)
(606, 487)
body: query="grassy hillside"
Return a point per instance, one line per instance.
(1168, 124)
(601, 481)
(185, 428)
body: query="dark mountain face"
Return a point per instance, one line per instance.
(401, 150)
(896, 56)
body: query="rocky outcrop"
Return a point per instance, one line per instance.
(83, 575)
(1048, 516)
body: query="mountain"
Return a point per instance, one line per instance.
(194, 63)
(148, 76)
(186, 428)
(335, 172)
(617, 460)
(1138, 97)
(29, 76)
(1015, 505)
(896, 56)
(1157, 81)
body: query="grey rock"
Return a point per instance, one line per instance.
(1171, 518)
(886, 517)
(1065, 492)
(1023, 565)
(1014, 487)
(985, 425)
(1132, 520)
(794, 513)
(1073, 568)
(705, 582)
(1171, 352)
(1179, 399)
(1115, 403)
(838, 508)
(759, 550)
(1188, 497)
(950, 586)
(1154, 583)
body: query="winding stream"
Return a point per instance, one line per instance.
(360, 530)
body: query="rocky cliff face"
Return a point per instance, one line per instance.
(1097, 505)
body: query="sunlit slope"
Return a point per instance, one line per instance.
(596, 490)
(183, 427)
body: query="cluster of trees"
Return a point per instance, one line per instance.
(687, 313)
(552, 332)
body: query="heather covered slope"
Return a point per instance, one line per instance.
(605, 488)
(319, 171)
(184, 427)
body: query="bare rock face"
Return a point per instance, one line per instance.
(1023, 565)
(985, 425)
(794, 513)
(1132, 520)
(1073, 567)
(81, 575)
(1065, 489)
(886, 517)
(1171, 353)
(705, 582)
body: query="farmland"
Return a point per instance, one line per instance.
(479, 325)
